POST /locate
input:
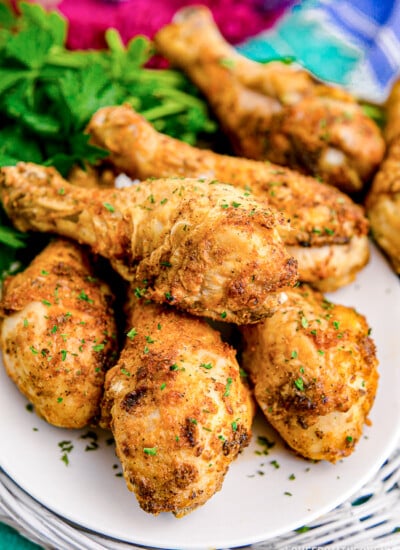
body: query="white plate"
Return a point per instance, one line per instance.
(264, 495)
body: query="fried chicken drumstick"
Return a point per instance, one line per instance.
(177, 407)
(194, 243)
(274, 111)
(57, 334)
(314, 370)
(383, 199)
(330, 232)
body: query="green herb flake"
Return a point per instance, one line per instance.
(207, 366)
(139, 292)
(150, 451)
(228, 385)
(98, 347)
(227, 62)
(83, 296)
(299, 383)
(265, 442)
(131, 333)
(303, 529)
(108, 207)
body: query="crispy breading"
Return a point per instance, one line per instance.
(58, 334)
(383, 199)
(178, 409)
(314, 369)
(194, 243)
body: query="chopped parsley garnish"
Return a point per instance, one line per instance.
(66, 447)
(108, 207)
(98, 347)
(151, 451)
(131, 333)
(304, 322)
(83, 296)
(299, 383)
(228, 387)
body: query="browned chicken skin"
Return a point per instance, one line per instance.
(90, 176)
(329, 236)
(57, 334)
(193, 243)
(383, 199)
(314, 370)
(177, 407)
(274, 111)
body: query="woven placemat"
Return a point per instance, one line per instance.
(369, 520)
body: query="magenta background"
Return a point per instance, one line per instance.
(88, 19)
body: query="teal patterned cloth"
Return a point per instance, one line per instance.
(353, 43)
(295, 37)
(11, 540)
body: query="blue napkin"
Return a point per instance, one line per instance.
(354, 43)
